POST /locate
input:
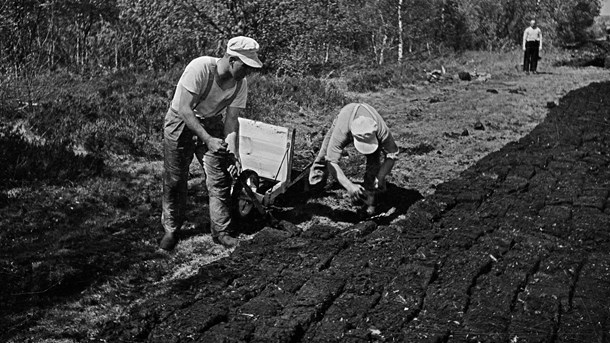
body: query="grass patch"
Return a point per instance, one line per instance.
(272, 99)
(75, 257)
(413, 69)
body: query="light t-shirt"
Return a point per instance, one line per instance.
(532, 34)
(195, 79)
(341, 135)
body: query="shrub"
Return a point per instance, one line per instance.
(386, 76)
(119, 113)
(23, 160)
(272, 98)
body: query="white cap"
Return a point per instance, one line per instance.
(246, 49)
(364, 131)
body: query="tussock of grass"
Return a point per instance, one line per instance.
(26, 160)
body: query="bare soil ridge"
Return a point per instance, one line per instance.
(513, 250)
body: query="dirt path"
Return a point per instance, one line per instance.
(512, 250)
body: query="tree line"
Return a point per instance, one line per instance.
(297, 37)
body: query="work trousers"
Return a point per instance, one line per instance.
(180, 144)
(318, 173)
(531, 56)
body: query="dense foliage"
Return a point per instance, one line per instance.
(298, 37)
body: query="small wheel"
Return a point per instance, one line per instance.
(244, 206)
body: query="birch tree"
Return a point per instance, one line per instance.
(400, 31)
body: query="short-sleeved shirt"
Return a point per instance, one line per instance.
(341, 135)
(195, 80)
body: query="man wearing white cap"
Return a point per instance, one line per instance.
(361, 124)
(194, 125)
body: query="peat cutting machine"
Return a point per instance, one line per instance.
(266, 152)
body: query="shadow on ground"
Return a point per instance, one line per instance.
(60, 237)
(301, 207)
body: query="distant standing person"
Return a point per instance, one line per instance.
(361, 124)
(532, 44)
(194, 125)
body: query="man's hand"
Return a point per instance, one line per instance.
(216, 145)
(234, 169)
(356, 191)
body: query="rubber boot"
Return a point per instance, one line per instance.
(226, 240)
(169, 241)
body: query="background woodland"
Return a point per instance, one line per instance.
(297, 37)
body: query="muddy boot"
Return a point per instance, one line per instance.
(226, 240)
(169, 241)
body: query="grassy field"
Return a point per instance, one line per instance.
(81, 178)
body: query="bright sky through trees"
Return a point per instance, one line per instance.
(605, 7)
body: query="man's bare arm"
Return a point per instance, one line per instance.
(232, 137)
(352, 188)
(232, 130)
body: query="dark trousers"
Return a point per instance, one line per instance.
(531, 56)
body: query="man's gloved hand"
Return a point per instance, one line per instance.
(234, 168)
